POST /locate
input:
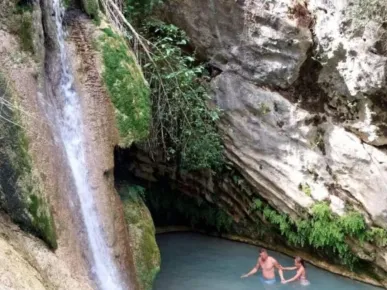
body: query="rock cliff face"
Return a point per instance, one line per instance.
(36, 184)
(291, 100)
(303, 89)
(142, 237)
(26, 263)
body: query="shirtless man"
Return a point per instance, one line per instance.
(267, 264)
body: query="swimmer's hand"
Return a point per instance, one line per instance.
(284, 281)
(244, 276)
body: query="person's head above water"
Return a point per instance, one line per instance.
(298, 261)
(263, 254)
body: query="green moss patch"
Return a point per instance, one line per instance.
(22, 195)
(25, 32)
(18, 19)
(42, 220)
(127, 88)
(142, 236)
(91, 8)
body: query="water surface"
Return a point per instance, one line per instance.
(195, 262)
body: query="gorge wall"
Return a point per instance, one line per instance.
(303, 102)
(302, 85)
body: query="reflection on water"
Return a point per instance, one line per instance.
(195, 262)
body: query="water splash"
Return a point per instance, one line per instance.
(71, 132)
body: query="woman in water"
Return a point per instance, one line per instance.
(301, 272)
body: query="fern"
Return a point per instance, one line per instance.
(324, 231)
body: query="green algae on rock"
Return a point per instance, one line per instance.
(127, 88)
(21, 192)
(142, 236)
(91, 8)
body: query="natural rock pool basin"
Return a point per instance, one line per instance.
(196, 262)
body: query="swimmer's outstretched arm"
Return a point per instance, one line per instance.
(297, 276)
(289, 268)
(279, 268)
(254, 270)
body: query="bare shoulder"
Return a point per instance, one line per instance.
(273, 260)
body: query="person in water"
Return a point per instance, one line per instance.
(268, 264)
(299, 265)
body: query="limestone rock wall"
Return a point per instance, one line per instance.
(303, 88)
(26, 263)
(296, 78)
(23, 183)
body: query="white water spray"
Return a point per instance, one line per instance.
(71, 132)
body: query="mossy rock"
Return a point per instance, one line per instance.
(91, 8)
(127, 88)
(21, 192)
(143, 241)
(19, 18)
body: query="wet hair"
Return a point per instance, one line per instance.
(301, 261)
(262, 250)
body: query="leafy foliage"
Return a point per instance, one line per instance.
(134, 9)
(21, 24)
(133, 193)
(127, 88)
(305, 188)
(91, 8)
(324, 231)
(377, 235)
(184, 124)
(257, 204)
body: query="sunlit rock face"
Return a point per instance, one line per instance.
(351, 45)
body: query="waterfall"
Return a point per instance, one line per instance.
(69, 120)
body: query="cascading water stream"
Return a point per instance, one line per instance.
(70, 125)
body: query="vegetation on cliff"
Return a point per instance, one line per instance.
(183, 121)
(17, 18)
(142, 235)
(91, 7)
(184, 124)
(21, 193)
(320, 229)
(127, 88)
